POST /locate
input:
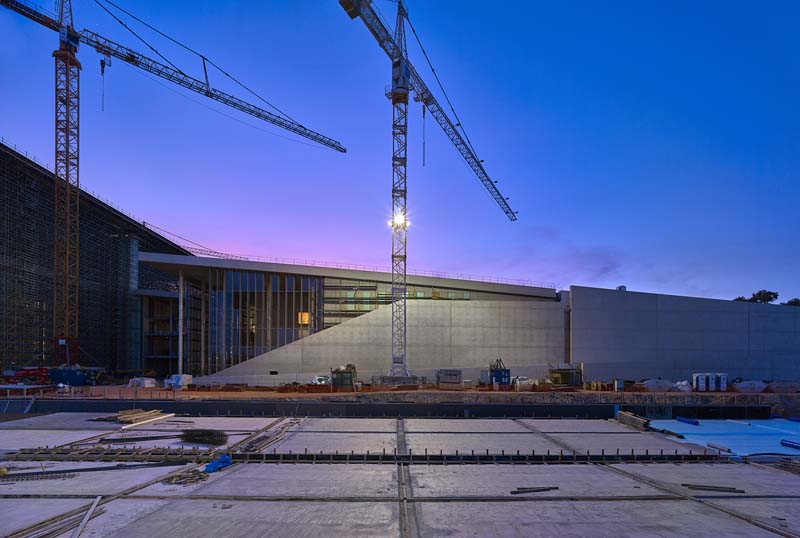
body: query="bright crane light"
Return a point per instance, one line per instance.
(399, 220)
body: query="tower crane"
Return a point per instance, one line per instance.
(67, 184)
(406, 79)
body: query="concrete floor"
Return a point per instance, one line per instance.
(359, 443)
(465, 443)
(343, 500)
(620, 519)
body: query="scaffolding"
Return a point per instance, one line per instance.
(109, 240)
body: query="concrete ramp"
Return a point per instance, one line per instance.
(441, 334)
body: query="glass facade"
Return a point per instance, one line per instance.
(249, 313)
(231, 316)
(345, 299)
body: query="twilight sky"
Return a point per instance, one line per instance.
(651, 144)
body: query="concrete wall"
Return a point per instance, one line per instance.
(527, 335)
(639, 335)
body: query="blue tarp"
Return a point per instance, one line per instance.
(743, 437)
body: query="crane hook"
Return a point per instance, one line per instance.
(423, 134)
(103, 90)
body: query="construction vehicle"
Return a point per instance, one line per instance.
(566, 375)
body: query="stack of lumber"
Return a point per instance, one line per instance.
(131, 416)
(633, 420)
(789, 465)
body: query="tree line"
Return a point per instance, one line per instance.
(767, 297)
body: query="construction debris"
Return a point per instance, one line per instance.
(188, 478)
(77, 532)
(718, 489)
(522, 491)
(268, 438)
(204, 437)
(19, 477)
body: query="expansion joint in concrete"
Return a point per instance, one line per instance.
(558, 442)
(703, 501)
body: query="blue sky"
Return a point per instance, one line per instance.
(655, 145)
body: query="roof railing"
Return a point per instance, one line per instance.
(207, 253)
(204, 252)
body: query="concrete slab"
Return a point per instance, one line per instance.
(467, 442)
(753, 480)
(331, 442)
(118, 514)
(138, 438)
(256, 519)
(577, 425)
(781, 513)
(228, 424)
(500, 480)
(304, 480)
(11, 440)
(61, 421)
(169, 490)
(465, 425)
(581, 519)
(640, 443)
(22, 513)
(387, 425)
(103, 483)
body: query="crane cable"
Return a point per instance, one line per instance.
(202, 56)
(441, 87)
(140, 38)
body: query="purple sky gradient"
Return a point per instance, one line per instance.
(651, 145)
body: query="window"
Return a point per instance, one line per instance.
(420, 294)
(466, 295)
(451, 295)
(435, 294)
(303, 318)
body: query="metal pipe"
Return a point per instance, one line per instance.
(180, 322)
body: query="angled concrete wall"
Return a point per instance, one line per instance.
(527, 335)
(639, 335)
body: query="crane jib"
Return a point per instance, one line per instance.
(107, 47)
(383, 36)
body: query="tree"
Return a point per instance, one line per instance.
(792, 302)
(762, 296)
(765, 297)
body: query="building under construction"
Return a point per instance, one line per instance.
(110, 284)
(148, 303)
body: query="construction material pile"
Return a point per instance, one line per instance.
(135, 416)
(186, 479)
(633, 420)
(204, 437)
